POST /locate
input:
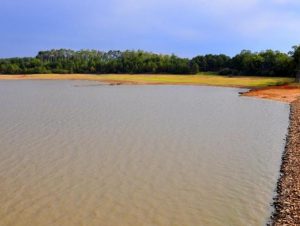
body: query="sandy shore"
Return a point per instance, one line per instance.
(287, 201)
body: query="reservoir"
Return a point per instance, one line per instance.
(78, 153)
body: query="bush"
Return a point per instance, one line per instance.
(225, 71)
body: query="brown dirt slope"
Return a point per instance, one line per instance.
(285, 93)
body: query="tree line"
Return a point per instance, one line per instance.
(264, 63)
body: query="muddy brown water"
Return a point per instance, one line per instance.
(74, 154)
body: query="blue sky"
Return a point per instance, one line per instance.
(183, 27)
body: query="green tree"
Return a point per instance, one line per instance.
(194, 68)
(296, 60)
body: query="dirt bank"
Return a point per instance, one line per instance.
(287, 202)
(286, 93)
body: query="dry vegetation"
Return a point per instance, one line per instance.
(213, 80)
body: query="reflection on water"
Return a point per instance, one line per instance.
(72, 154)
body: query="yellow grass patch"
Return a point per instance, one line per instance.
(211, 80)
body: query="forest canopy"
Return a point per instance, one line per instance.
(264, 63)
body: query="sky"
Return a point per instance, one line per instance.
(184, 27)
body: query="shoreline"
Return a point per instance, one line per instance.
(283, 93)
(259, 87)
(287, 201)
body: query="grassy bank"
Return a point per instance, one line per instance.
(211, 80)
(274, 88)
